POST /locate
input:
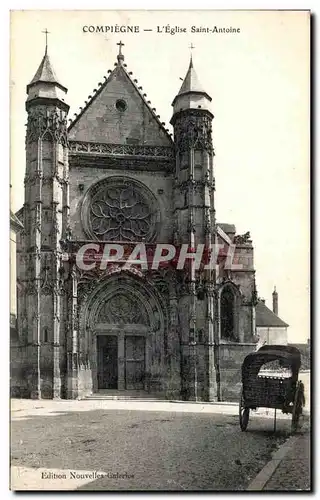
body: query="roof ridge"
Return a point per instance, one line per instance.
(96, 92)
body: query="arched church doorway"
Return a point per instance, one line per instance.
(123, 331)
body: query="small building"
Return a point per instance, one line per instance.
(270, 328)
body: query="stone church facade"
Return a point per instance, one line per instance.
(116, 175)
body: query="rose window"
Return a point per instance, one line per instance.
(121, 212)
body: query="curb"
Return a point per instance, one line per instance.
(153, 400)
(261, 479)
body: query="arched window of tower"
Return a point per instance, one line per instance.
(228, 313)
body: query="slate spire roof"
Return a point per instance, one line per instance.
(191, 84)
(45, 73)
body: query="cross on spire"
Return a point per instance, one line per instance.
(120, 56)
(120, 46)
(191, 47)
(46, 32)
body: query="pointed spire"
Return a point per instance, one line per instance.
(45, 84)
(191, 47)
(191, 82)
(191, 94)
(45, 73)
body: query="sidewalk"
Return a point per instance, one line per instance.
(289, 469)
(293, 471)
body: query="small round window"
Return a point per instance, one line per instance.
(121, 105)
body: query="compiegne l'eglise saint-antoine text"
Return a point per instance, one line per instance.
(165, 29)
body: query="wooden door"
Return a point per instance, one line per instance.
(107, 349)
(135, 361)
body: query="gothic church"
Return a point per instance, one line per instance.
(115, 174)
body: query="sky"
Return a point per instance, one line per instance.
(259, 83)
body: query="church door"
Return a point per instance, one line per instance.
(134, 362)
(107, 349)
(122, 329)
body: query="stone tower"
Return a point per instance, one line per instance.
(195, 226)
(45, 215)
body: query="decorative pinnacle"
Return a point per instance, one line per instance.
(120, 56)
(46, 32)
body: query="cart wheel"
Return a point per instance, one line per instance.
(298, 403)
(243, 414)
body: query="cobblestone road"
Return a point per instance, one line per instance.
(155, 450)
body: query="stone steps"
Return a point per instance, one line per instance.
(124, 396)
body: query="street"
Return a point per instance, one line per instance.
(138, 445)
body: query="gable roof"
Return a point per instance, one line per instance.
(120, 69)
(265, 317)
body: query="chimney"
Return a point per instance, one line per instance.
(275, 301)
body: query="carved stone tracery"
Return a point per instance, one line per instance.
(49, 125)
(119, 209)
(122, 309)
(193, 131)
(122, 149)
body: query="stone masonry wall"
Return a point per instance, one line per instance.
(231, 359)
